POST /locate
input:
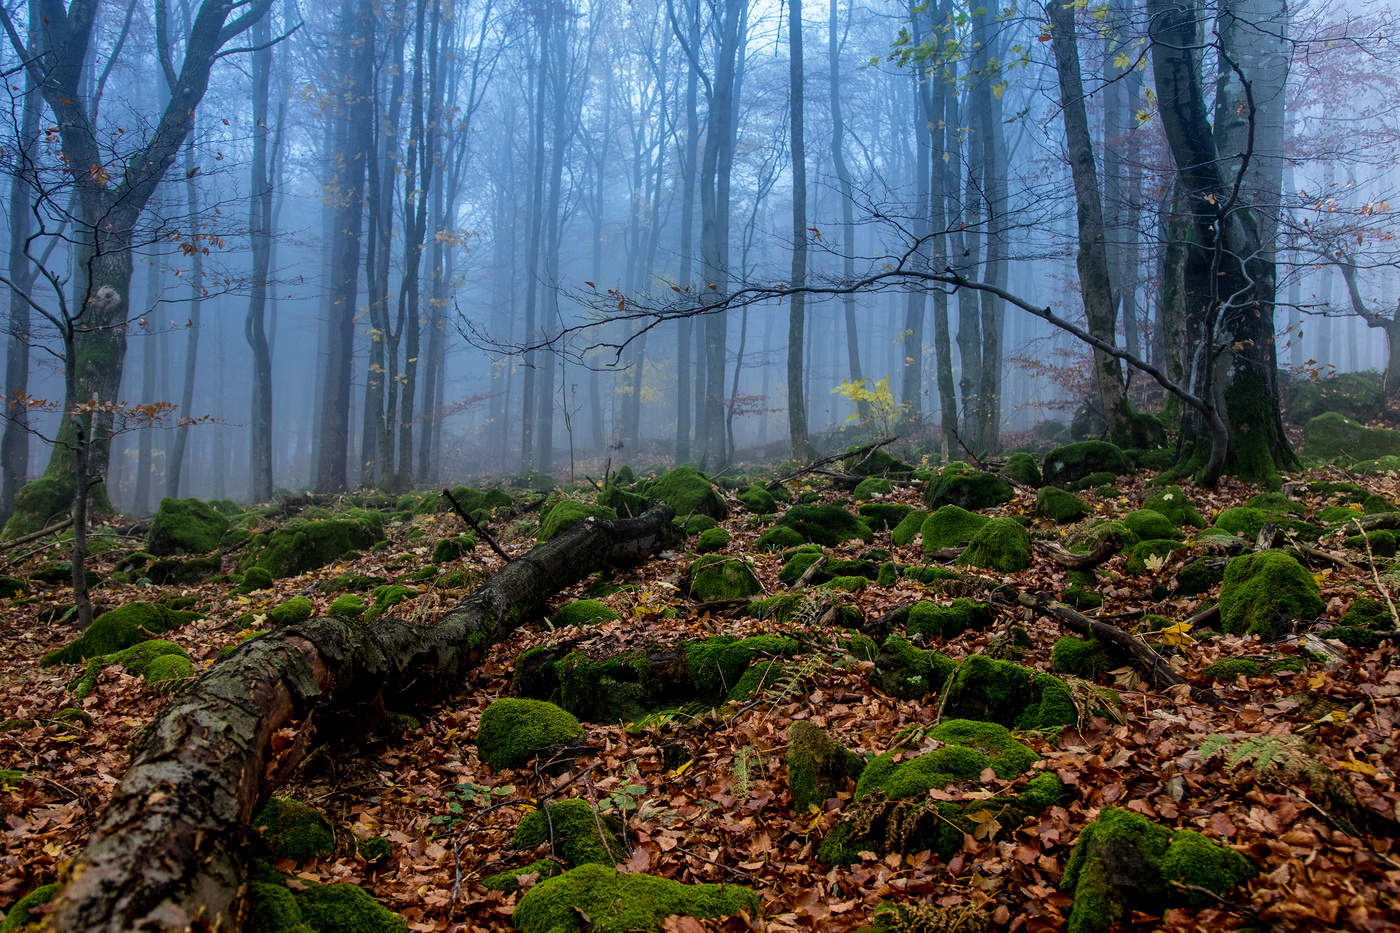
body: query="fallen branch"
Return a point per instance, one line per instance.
(476, 526)
(167, 854)
(1067, 558)
(815, 465)
(53, 529)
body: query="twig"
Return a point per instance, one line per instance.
(1375, 574)
(482, 532)
(809, 574)
(1066, 558)
(36, 535)
(812, 467)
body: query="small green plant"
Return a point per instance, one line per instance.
(461, 797)
(875, 402)
(1257, 751)
(745, 764)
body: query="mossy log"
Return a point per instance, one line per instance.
(166, 853)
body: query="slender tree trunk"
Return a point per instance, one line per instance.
(797, 405)
(689, 168)
(14, 448)
(260, 232)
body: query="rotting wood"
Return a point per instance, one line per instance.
(53, 529)
(167, 852)
(1067, 558)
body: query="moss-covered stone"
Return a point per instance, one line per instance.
(797, 563)
(909, 673)
(38, 504)
(717, 664)
(1365, 467)
(512, 731)
(1230, 669)
(910, 525)
(1199, 574)
(1357, 395)
(961, 485)
(1059, 505)
(825, 524)
(175, 571)
(930, 574)
(883, 516)
(383, 598)
(509, 880)
(254, 578)
(374, 849)
(1174, 504)
(450, 549)
(23, 914)
(10, 587)
(120, 628)
(1334, 436)
(847, 584)
(935, 621)
(618, 903)
(297, 609)
(1263, 593)
(715, 577)
(306, 544)
(1241, 520)
(687, 492)
(1009, 758)
(699, 524)
(1022, 468)
(951, 526)
(185, 526)
(625, 502)
(1080, 657)
(345, 908)
(1081, 597)
(712, 539)
(569, 512)
(1152, 550)
(573, 827)
(1382, 542)
(169, 669)
(351, 605)
(758, 500)
(1366, 612)
(1149, 523)
(1002, 544)
(876, 463)
(1197, 868)
(1074, 462)
(1002, 692)
(584, 612)
(872, 487)
(294, 830)
(818, 766)
(915, 777)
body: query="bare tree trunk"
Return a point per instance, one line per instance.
(260, 232)
(798, 445)
(14, 448)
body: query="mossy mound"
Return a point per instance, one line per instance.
(297, 609)
(10, 587)
(613, 688)
(1149, 523)
(318, 908)
(1241, 520)
(294, 830)
(185, 526)
(951, 526)
(909, 673)
(910, 525)
(1152, 550)
(352, 605)
(883, 516)
(383, 598)
(872, 487)
(758, 500)
(38, 504)
(1229, 669)
(254, 578)
(569, 512)
(699, 524)
(1335, 437)
(986, 689)
(915, 777)
(584, 612)
(687, 492)
(818, 766)
(1009, 757)
(169, 669)
(1356, 395)
(509, 880)
(1088, 538)
(825, 524)
(712, 539)
(374, 850)
(513, 731)
(306, 544)
(1082, 459)
(1375, 504)
(1366, 612)
(715, 577)
(450, 549)
(119, 628)
(1199, 574)
(623, 501)
(1378, 465)
(876, 463)
(1003, 544)
(175, 571)
(154, 660)
(1123, 862)
(717, 664)
(1080, 657)
(572, 827)
(961, 485)
(1263, 593)
(935, 621)
(797, 563)
(1022, 468)
(778, 538)
(1059, 505)
(1174, 504)
(22, 913)
(600, 899)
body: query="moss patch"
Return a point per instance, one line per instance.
(573, 826)
(825, 524)
(882, 516)
(618, 903)
(297, 609)
(716, 577)
(185, 526)
(293, 830)
(1230, 669)
(513, 731)
(907, 672)
(1080, 657)
(910, 525)
(1002, 544)
(778, 538)
(306, 544)
(509, 880)
(933, 620)
(1149, 523)
(687, 492)
(1022, 468)
(951, 526)
(569, 512)
(22, 913)
(1059, 505)
(584, 612)
(998, 691)
(917, 776)
(1334, 436)
(961, 485)
(1174, 504)
(818, 766)
(717, 664)
(119, 628)
(1082, 459)
(1009, 757)
(348, 604)
(712, 539)
(1262, 593)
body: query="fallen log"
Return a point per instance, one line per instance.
(167, 852)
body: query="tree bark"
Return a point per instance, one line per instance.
(167, 852)
(797, 321)
(260, 233)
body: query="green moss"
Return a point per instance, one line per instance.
(1059, 505)
(38, 504)
(1041, 792)
(624, 502)
(825, 524)
(951, 526)
(882, 516)
(1114, 869)
(1230, 669)
(1198, 575)
(512, 731)
(348, 604)
(1081, 598)
(297, 609)
(618, 903)
(797, 563)
(1263, 592)
(1356, 395)
(687, 492)
(584, 612)
(119, 628)
(383, 598)
(1286, 665)
(935, 621)
(917, 776)
(961, 485)
(712, 539)
(1001, 692)
(872, 487)
(1333, 436)
(1022, 468)
(346, 908)
(876, 463)
(930, 574)
(907, 672)
(22, 913)
(374, 849)
(1149, 523)
(697, 524)
(254, 578)
(1003, 544)
(1366, 612)
(1242, 520)
(509, 880)
(1143, 551)
(573, 827)
(757, 500)
(1376, 504)
(11, 587)
(847, 584)
(1080, 657)
(717, 664)
(818, 766)
(450, 549)
(782, 607)
(860, 647)
(777, 538)
(9, 777)
(303, 544)
(1378, 465)
(613, 689)
(1072, 462)
(1174, 504)
(569, 512)
(185, 526)
(715, 577)
(908, 527)
(1009, 757)
(1382, 542)
(169, 668)
(293, 830)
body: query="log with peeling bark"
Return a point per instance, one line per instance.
(167, 853)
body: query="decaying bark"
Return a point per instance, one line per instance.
(167, 852)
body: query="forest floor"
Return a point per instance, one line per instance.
(723, 812)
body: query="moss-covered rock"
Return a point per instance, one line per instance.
(1149, 523)
(935, 621)
(294, 830)
(351, 605)
(1199, 574)
(797, 562)
(699, 524)
(1080, 657)
(825, 524)
(569, 512)
(120, 628)
(513, 731)
(951, 526)
(1096, 534)
(930, 574)
(10, 587)
(1366, 612)
(509, 880)
(169, 669)
(778, 538)
(1153, 550)
(345, 908)
(757, 499)
(909, 673)
(374, 849)
(712, 539)
(961, 485)
(1082, 459)
(297, 609)
(175, 571)
(1389, 464)
(1174, 504)
(383, 598)
(872, 487)
(450, 549)
(883, 516)
(910, 525)
(584, 612)
(716, 577)
(1334, 436)
(717, 664)
(1355, 394)
(876, 463)
(23, 914)
(1376, 504)
(616, 903)
(306, 544)
(1002, 544)
(625, 502)
(1230, 669)
(1009, 758)
(1059, 505)
(915, 777)
(1263, 593)
(1022, 468)
(818, 766)
(1196, 868)
(687, 492)
(254, 578)
(573, 828)
(1002, 692)
(185, 526)
(38, 504)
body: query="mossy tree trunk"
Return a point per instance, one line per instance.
(167, 853)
